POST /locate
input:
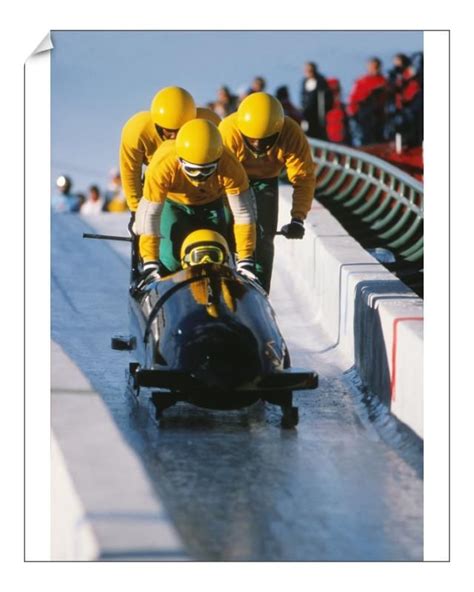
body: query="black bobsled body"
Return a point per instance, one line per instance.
(208, 336)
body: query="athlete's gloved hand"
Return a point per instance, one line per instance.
(151, 268)
(246, 268)
(130, 224)
(295, 229)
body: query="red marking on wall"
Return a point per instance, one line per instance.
(394, 351)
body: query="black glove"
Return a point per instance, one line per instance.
(295, 229)
(246, 268)
(131, 223)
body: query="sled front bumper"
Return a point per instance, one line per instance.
(174, 380)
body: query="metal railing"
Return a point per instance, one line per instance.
(379, 204)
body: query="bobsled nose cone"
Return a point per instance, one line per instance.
(225, 372)
(225, 359)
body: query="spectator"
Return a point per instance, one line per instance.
(94, 204)
(226, 102)
(366, 105)
(337, 127)
(397, 78)
(115, 197)
(316, 101)
(406, 114)
(64, 201)
(283, 95)
(258, 85)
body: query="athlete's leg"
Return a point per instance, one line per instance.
(266, 197)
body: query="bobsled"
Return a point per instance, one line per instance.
(208, 336)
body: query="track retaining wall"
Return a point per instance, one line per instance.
(368, 314)
(102, 504)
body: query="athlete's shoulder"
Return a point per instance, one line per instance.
(165, 149)
(291, 133)
(137, 126)
(231, 170)
(140, 121)
(291, 127)
(165, 156)
(229, 159)
(229, 124)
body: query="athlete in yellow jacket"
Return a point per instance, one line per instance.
(265, 141)
(185, 186)
(145, 131)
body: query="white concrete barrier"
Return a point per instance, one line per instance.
(102, 504)
(372, 318)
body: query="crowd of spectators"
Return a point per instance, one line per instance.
(379, 107)
(111, 200)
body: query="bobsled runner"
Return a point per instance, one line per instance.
(208, 336)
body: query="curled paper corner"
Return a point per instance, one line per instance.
(45, 45)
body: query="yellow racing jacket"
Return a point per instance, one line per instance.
(165, 179)
(138, 143)
(291, 150)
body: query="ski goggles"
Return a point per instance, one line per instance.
(205, 254)
(198, 171)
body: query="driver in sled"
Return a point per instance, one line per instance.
(209, 247)
(188, 185)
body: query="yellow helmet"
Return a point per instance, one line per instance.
(172, 107)
(260, 115)
(209, 114)
(204, 246)
(199, 142)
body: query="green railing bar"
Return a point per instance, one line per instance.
(368, 158)
(360, 195)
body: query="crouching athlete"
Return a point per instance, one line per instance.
(186, 186)
(265, 141)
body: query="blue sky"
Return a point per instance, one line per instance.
(100, 78)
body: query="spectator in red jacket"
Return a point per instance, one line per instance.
(337, 128)
(404, 83)
(406, 109)
(366, 105)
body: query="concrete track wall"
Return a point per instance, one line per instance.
(368, 314)
(102, 504)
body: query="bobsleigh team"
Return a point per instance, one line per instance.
(207, 179)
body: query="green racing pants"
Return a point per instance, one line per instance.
(266, 197)
(178, 220)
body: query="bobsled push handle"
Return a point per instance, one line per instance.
(128, 239)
